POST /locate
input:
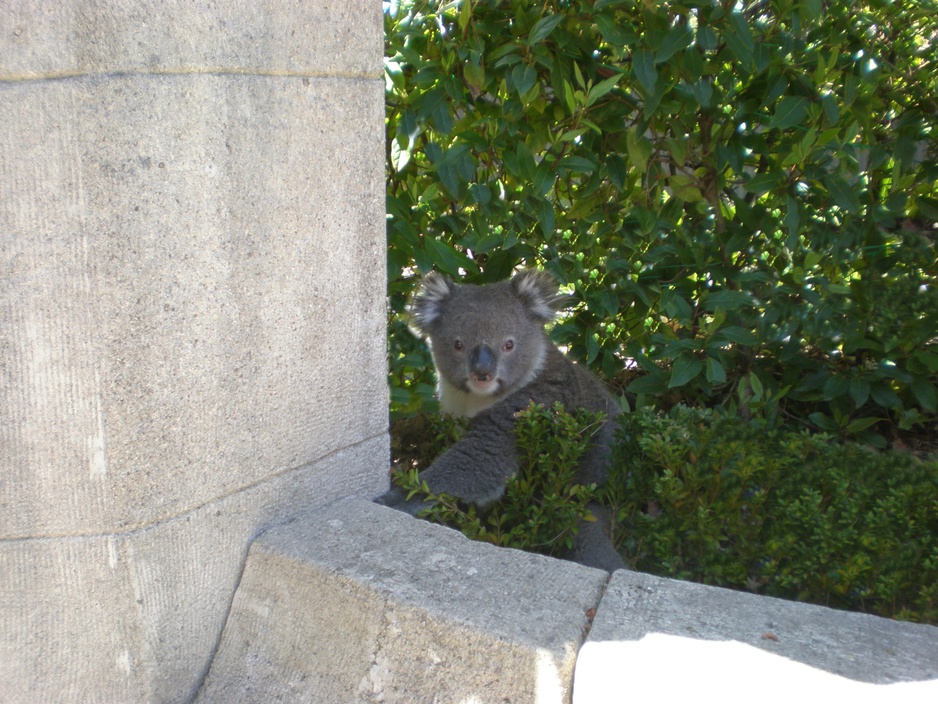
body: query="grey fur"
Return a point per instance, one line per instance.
(493, 357)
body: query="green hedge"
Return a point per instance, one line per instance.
(739, 196)
(720, 501)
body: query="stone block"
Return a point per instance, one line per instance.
(360, 603)
(679, 641)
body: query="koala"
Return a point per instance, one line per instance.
(493, 358)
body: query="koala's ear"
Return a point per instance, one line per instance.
(539, 293)
(426, 305)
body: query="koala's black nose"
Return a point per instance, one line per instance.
(482, 363)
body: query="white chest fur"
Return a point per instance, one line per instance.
(457, 402)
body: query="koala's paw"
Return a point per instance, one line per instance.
(391, 497)
(396, 498)
(593, 547)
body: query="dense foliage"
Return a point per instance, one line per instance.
(740, 196)
(702, 496)
(720, 501)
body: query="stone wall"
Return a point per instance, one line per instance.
(192, 326)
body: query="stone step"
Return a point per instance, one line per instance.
(362, 603)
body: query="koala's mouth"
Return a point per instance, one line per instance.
(483, 387)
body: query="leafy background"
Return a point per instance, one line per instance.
(740, 197)
(741, 200)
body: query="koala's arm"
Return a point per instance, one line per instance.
(475, 469)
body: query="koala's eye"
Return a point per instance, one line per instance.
(458, 346)
(508, 346)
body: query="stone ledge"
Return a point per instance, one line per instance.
(358, 603)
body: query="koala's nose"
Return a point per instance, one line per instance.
(482, 363)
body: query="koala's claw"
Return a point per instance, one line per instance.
(396, 498)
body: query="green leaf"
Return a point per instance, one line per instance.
(503, 51)
(579, 164)
(792, 220)
(648, 384)
(524, 78)
(546, 219)
(638, 147)
(844, 195)
(543, 27)
(791, 111)
(436, 107)
(592, 347)
(727, 300)
(686, 368)
(926, 395)
(601, 88)
(755, 383)
(812, 9)
(685, 188)
(859, 391)
(776, 90)
(861, 424)
(823, 421)
(569, 96)
(615, 166)
(737, 334)
(615, 34)
(447, 258)
(399, 157)
(763, 183)
(928, 359)
(703, 92)
(707, 38)
(544, 179)
(677, 39)
(578, 75)
(474, 75)
(716, 374)
(835, 387)
(739, 39)
(885, 396)
(643, 67)
(831, 108)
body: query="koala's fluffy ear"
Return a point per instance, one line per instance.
(426, 305)
(539, 292)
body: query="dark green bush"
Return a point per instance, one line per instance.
(716, 500)
(740, 196)
(543, 505)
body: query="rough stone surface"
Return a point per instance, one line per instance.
(743, 646)
(360, 603)
(192, 319)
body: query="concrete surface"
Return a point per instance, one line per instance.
(192, 319)
(359, 603)
(739, 646)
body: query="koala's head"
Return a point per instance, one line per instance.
(487, 341)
